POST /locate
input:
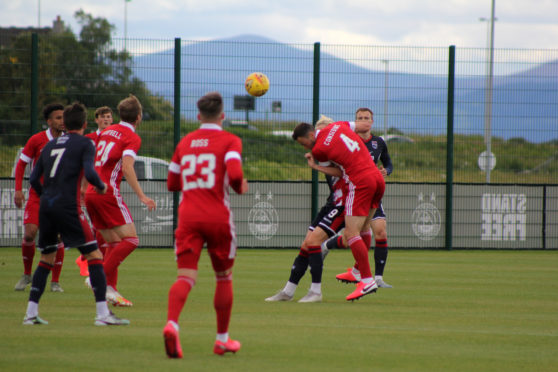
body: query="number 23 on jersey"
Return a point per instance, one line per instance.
(198, 171)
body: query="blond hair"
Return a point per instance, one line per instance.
(323, 121)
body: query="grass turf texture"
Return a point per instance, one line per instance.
(448, 311)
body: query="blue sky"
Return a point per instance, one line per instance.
(521, 23)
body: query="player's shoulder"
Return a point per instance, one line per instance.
(49, 144)
(38, 137)
(231, 136)
(81, 139)
(379, 139)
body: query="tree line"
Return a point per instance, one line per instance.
(85, 67)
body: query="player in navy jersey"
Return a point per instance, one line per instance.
(379, 152)
(63, 162)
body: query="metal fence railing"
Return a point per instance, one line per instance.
(513, 111)
(405, 87)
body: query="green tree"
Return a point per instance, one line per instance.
(85, 68)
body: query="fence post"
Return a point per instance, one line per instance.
(449, 149)
(315, 115)
(34, 82)
(544, 218)
(177, 52)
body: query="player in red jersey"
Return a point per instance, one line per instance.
(103, 118)
(53, 114)
(329, 220)
(379, 152)
(204, 164)
(117, 148)
(339, 144)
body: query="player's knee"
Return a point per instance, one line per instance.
(225, 275)
(48, 258)
(380, 234)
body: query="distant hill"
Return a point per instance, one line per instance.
(524, 104)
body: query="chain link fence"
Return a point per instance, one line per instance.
(505, 122)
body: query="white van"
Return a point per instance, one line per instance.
(146, 167)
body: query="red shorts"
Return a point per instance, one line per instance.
(361, 198)
(31, 214)
(220, 239)
(107, 211)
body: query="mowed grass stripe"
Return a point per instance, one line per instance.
(448, 311)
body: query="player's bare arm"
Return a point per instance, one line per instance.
(244, 188)
(130, 174)
(19, 199)
(330, 170)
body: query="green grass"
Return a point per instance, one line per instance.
(448, 311)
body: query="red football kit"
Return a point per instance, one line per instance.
(109, 210)
(30, 154)
(205, 163)
(337, 143)
(93, 135)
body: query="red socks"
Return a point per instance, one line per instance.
(27, 253)
(178, 294)
(223, 301)
(58, 261)
(118, 253)
(360, 253)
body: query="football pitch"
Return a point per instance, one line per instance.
(448, 311)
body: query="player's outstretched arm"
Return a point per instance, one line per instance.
(19, 198)
(91, 175)
(173, 177)
(329, 170)
(132, 179)
(236, 177)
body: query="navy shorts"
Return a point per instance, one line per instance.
(67, 221)
(379, 212)
(330, 218)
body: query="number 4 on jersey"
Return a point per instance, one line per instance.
(352, 145)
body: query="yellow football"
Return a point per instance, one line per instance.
(256, 84)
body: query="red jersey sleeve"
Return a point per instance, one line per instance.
(131, 148)
(173, 179)
(233, 161)
(26, 157)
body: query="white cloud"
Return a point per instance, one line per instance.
(521, 24)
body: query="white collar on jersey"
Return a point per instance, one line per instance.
(49, 134)
(128, 125)
(210, 126)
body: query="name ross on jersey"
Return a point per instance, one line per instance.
(202, 142)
